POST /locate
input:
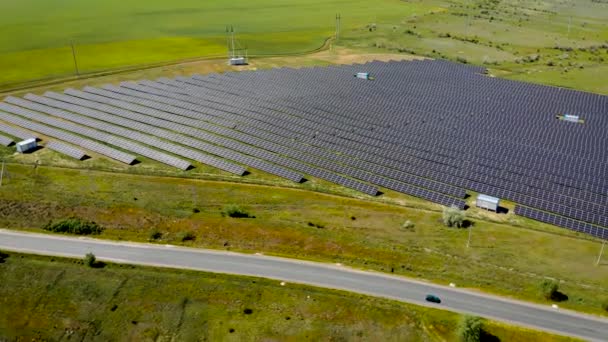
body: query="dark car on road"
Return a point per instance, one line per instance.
(432, 298)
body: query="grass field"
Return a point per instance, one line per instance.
(525, 40)
(506, 35)
(61, 299)
(113, 33)
(362, 233)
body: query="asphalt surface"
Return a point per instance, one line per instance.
(318, 274)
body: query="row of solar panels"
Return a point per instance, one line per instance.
(331, 177)
(561, 221)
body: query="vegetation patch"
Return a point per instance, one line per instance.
(74, 226)
(236, 211)
(186, 236)
(453, 217)
(147, 303)
(155, 234)
(316, 225)
(497, 261)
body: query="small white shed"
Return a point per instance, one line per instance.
(487, 202)
(237, 61)
(571, 118)
(26, 145)
(362, 75)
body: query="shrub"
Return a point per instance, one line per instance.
(90, 260)
(3, 257)
(469, 329)
(605, 304)
(74, 226)
(408, 225)
(549, 288)
(462, 60)
(453, 217)
(186, 236)
(236, 212)
(155, 234)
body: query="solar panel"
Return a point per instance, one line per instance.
(16, 132)
(66, 149)
(5, 141)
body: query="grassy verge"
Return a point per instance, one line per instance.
(508, 255)
(54, 298)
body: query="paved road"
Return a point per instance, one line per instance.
(324, 275)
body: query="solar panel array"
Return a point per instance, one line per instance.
(431, 129)
(66, 149)
(71, 138)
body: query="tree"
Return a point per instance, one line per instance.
(453, 217)
(549, 288)
(408, 225)
(90, 260)
(469, 329)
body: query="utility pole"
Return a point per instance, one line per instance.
(74, 56)
(338, 17)
(2, 172)
(232, 39)
(469, 239)
(599, 257)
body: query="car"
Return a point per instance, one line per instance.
(433, 298)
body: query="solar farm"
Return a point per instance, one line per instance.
(435, 130)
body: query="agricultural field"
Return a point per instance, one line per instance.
(64, 299)
(333, 227)
(526, 40)
(112, 34)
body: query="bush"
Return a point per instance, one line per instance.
(549, 288)
(462, 60)
(605, 304)
(408, 225)
(155, 234)
(90, 260)
(186, 236)
(317, 225)
(236, 212)
(74, 226)
(469, 329)
(453, 217)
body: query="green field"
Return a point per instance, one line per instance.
(296, 222)
(503, 35)
(110, 34)
(61, 299)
